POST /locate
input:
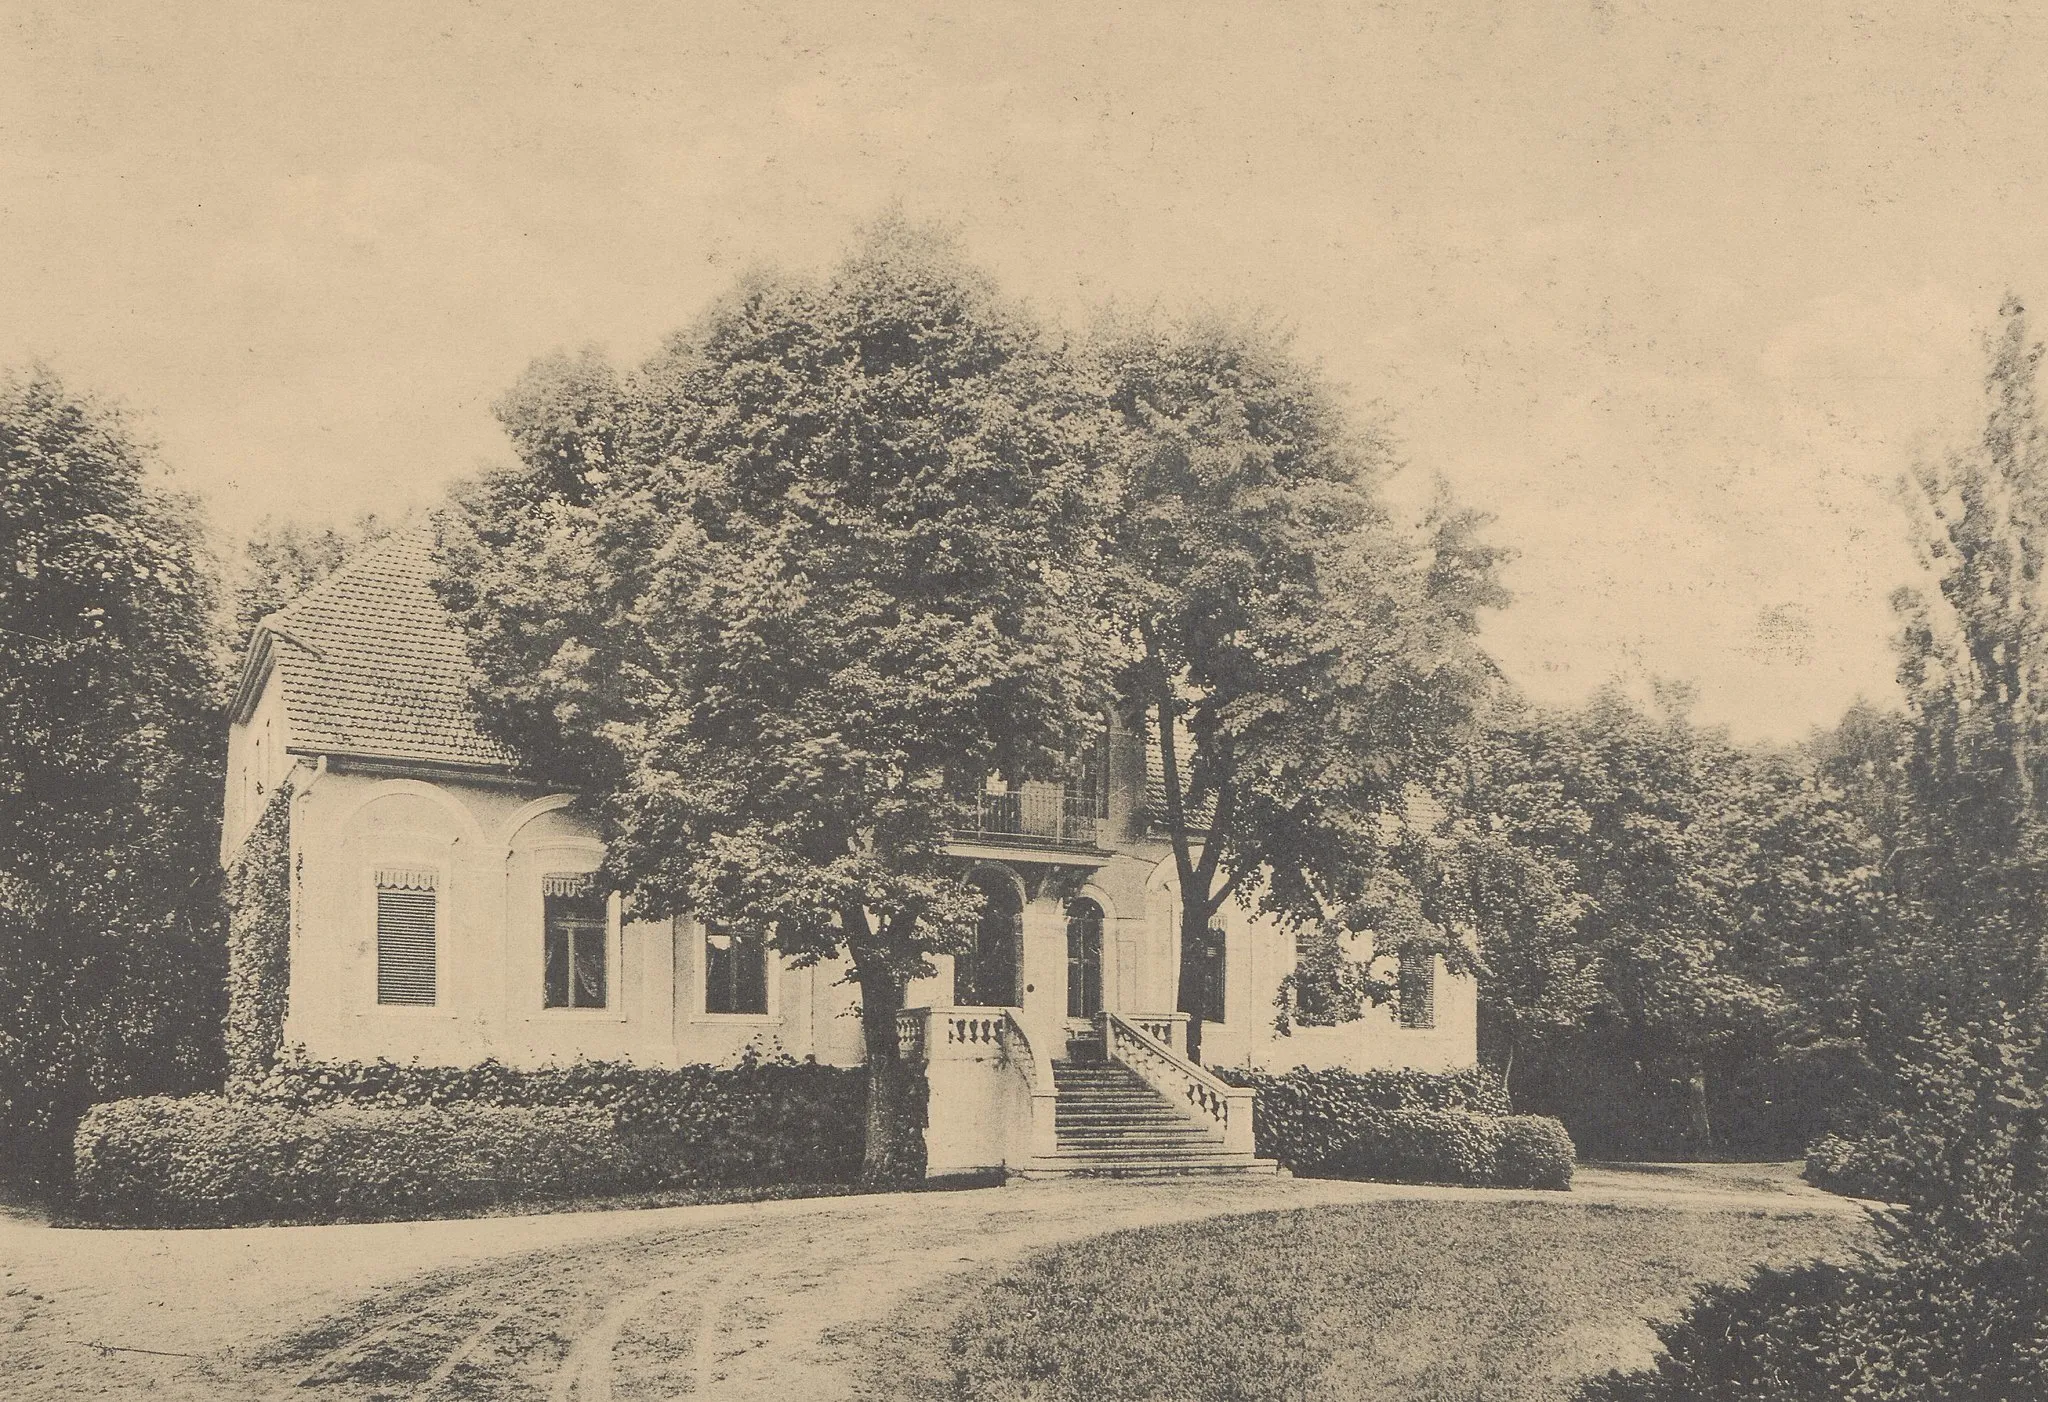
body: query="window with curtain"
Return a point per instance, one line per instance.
(406, 914)
(574, 930)
(735, 973)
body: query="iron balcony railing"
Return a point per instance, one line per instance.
(1034, 814)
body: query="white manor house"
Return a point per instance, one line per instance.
(441, 910)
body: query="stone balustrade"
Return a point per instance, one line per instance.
(1170, 1029)
(993, 1102)
(910, 1034)
(1228, 1108)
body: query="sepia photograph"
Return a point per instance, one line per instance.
(768, 701)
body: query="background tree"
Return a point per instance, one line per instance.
(1636, 808)
(111, 963)
(776, 602)
(283, 559)
(1511, 826)
(1954, 1303)
(1303, 662)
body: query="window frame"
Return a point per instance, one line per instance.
(700, 958)
(525, 931)
(406, 858)
(1406, 1018)
(1215, 992)
(606, 937)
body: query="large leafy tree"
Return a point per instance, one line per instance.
(111, 965)
(778, 599)
(1304, 663)
(1506, 831)
(1638, 810)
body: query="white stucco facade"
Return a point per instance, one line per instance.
(441, 913)
(489, 846)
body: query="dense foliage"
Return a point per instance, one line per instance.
(759, 1121)
(1304, 662)
(785, 597)
(1456, 1147)
(1953, 1121)
(1672, 928)
(1404, 1126)
(110, 943)
(258, 897)
(208, 1160)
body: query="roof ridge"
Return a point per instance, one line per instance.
(404, 538)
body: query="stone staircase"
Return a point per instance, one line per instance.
(1111, 1123)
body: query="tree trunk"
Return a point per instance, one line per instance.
(894, 1153)
(1194, 937)
(1699, 1127)
(1507, 1070)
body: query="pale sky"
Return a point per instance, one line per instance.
(1676, 291)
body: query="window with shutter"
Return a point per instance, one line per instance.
(405, 937)
(1416, 988)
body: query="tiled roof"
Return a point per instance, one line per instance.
(1155, 785)
(372, 665)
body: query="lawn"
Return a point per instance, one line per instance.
(1396, 1301)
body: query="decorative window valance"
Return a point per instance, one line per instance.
(405, 879)
(569, 883)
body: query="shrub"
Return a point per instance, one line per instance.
(1857, 1168)
(1535, 1152)
(1775, 1337)
(761, 1121)
(207, 1160)
(1459, 1147)
(1306, 1118)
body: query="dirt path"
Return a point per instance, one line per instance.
(766, 1300)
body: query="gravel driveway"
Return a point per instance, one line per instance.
(764, 1300)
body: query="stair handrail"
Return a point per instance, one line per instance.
(1035, 1065)
(1227, 1107)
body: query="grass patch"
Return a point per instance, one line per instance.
(1397, 1301)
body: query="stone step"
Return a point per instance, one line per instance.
(1081, 1166)
(1153, 1128)
(1115, 1141)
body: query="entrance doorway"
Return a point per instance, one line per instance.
(986, 976)
(1084, 958)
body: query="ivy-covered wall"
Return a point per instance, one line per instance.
(258, 892)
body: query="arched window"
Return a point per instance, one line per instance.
(1084, 958)
(986, 976)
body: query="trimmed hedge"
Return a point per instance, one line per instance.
(1458, 1147)
(1304, 1118)
(207, 1160)
(760, 1121)
(1404, 1127)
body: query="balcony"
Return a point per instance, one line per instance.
(1032, 815)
